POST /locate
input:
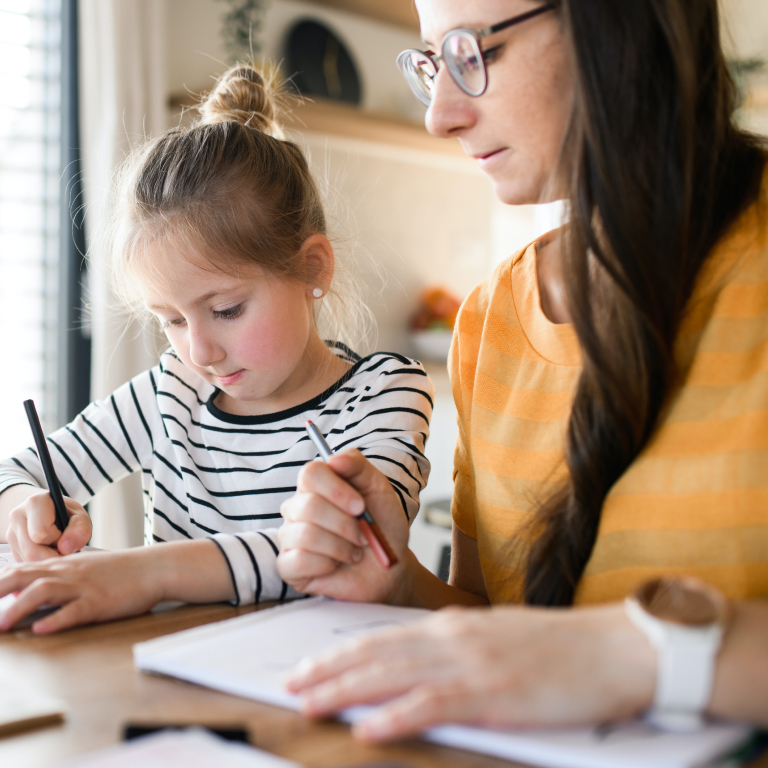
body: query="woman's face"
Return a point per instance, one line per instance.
(516, 128)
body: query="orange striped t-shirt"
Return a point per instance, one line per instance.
(695, 500)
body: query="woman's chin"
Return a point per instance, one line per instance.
(516, 190)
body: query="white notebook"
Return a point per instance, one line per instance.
(6, 558)
(250, 655)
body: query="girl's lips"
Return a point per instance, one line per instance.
(488, 160)
(231, 378)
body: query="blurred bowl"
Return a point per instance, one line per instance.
(432, 345)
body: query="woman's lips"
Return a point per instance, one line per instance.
(486, 161)
(231, 378)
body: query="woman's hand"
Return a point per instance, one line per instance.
(90, 587)
(321, 548)
(32, 531)
(505, 667)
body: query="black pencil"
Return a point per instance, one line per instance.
(62, 516)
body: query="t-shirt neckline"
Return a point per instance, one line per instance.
(555, 342)
(269, 418)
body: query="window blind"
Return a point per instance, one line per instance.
(30, 62)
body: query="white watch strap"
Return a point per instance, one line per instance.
(685, 668)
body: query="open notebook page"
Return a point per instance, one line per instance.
(250, 655)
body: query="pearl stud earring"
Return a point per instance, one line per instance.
(317, 293)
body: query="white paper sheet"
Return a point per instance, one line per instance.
(191, 748)
(249, 656)
(6, 558)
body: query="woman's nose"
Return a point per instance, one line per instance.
(451, 111)
(204, 350)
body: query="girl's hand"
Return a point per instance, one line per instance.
(90, 587)
(322, 549)
(505, 667)
(32, 531)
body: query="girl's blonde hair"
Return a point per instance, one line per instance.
(231, 191)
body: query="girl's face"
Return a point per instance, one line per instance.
(249, 335)
(515, 130)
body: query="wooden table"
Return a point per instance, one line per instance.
(92, 669)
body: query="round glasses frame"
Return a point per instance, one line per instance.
(420, 68)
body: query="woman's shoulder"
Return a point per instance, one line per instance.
(494, 296)
(733, 281)
(726, 317)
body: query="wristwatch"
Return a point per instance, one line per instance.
(685, 620)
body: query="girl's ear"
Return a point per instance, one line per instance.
(317, 254)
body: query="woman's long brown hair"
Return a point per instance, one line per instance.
(657, 172)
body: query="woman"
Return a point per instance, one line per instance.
(611, 387)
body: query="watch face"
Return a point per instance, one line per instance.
(320, 63)
(685, 601)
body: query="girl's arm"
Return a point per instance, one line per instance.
(523, 667)
(102, 586)
(322, 551)
(107, 441)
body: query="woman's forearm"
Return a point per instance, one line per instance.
(420, 588)
(741, 678)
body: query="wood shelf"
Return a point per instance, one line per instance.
(401, 13)
(332, 119)
(348, 122)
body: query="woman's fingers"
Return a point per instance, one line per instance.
(422, 707)
(391, 645)
(370, 683)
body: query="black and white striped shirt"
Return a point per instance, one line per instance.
(209, 473)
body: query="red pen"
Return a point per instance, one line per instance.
(368, 527)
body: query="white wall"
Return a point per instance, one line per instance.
(745, 27)
(745, 35)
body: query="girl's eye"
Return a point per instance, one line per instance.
(172, 323)
(228, 314)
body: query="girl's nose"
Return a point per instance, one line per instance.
(452, 111)
(204, 350)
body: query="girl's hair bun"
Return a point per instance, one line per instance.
(246, 96)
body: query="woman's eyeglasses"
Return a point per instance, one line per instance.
(462, 54)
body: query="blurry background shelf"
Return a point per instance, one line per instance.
(336, 119)
(401, 13)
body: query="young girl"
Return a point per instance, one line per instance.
(221, 234)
